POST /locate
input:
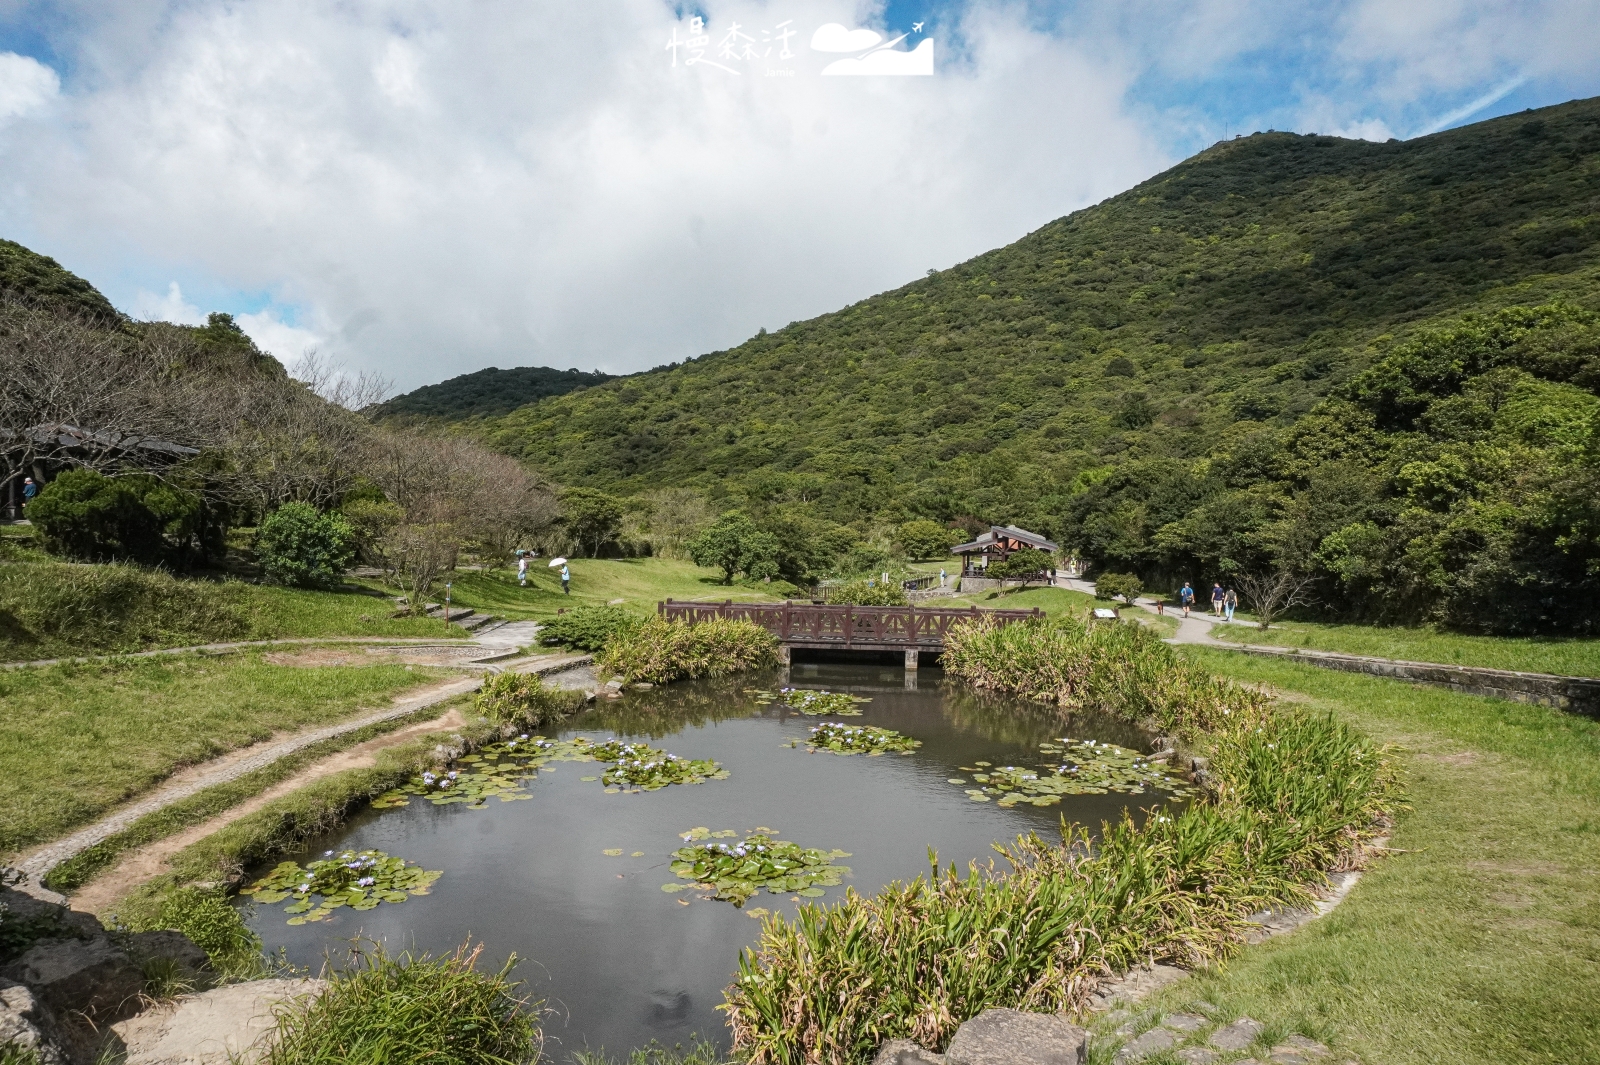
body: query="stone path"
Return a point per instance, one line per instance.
(240, 645)
(37, 864)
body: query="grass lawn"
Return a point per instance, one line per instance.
(1570, 656)
(1050, 600)
(639, 582)
(1478, 941)
(80, 739)
(282, 612)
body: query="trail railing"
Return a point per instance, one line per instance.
(845, 627)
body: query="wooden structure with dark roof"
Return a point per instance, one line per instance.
(995, 545)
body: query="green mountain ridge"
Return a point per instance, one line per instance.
(487, 392)
(37, 279)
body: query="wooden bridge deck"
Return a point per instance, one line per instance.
(847, 627)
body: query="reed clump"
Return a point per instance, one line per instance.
(1292, 794)
(660, 651)
(1120, 669)
(410, 1008)
(523, 699)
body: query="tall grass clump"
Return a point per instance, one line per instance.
(523, 699)
(215, 927)
(1120, 669)
(660, 651)
(411, 1008)
(48, 606)
(1292, 794)
(867, 593)
(588, 628)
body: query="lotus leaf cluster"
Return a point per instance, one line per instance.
(734, 872)
(814, 703)
(357, 879)
(639, 765)
(496, 771)
(1081, 767)
(840, 738)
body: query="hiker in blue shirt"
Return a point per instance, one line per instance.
(1186, 597)
(29, 490)
(566, 580)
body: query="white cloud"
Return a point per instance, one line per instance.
(288, 343)
(836, 38)
(1363, 129)
(25, 85)
(149, 307)
(888, 61)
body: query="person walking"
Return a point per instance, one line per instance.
(566, 580)
(1186, 597)
(1230, 603)
(1217, 596)
(522, 571)
(29, 490)
(944, 578)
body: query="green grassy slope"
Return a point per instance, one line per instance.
(36, 278)
(488, 392)
(1241, 285)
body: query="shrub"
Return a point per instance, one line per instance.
(413, 1008)
(922, 539)
(1028, 564)
(51, 606)
(588, 628)
(1124, 670)
(867, 593)
(300, 546)
(522, 698)
(214, 926)
(660, 651)
(93, 518)
(920, 958)
(1124, 586)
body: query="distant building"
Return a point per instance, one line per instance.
(994, 545)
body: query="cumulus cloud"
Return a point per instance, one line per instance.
(888, 61)
(25, 85)
(172, 307)
(288, 343)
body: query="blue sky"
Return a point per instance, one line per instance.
(423, 190)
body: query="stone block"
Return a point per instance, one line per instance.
(1236, 1036)
(1198, 1056)
(220, 1027)
(192, 962)
(25, 1024)
(905, 1052)
(1011, 1037)
(92, 977)
(1184, 1022)
(1299, 1044)
(1152, 1042)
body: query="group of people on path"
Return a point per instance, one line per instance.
(1224, 601)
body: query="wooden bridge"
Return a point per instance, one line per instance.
(846, 627)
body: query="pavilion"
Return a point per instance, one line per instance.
(994, 545)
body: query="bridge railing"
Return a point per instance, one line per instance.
(845, 625)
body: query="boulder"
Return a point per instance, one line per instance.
(1152, 1042)
(92, 977)
(1011, 1037)
(905, 1052)
(192, 963)
(226, 1025)
(1236, 1036)
(24, 1023)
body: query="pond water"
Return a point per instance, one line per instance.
(620, 962)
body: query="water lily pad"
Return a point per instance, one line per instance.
(612, 852)
(813, 703)
(736, 871)
(1079, 767)
(642, 766)
(637, 854)
(839, 738)
(956, 780)
(358, 879)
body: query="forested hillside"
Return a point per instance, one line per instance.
(33, 278)
(487, 392)
(1120, 371)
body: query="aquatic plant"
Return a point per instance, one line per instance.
(1124, 670)
(495, 771)
(813, 703)
(216, 927)
(523, 699)
(416, 1008)
(639, 765)
(357, 879)
(1295, 792)
(736, 871)
(661, 651)
(840, 738)
(1086, 767)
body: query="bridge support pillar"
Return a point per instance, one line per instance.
(911, 660)
(783, 655)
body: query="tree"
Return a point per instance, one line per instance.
(297, 545)
(1027, 565)
(1272, 593)
(592, 518)
(1124, 586)
(88, 516)
(924, 539)
(733, 544)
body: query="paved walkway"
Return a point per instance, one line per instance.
(1196, 628)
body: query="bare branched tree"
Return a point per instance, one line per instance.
(1273, 593)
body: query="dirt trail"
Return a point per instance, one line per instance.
(150, 861)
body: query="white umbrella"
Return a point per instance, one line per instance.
(558, 561)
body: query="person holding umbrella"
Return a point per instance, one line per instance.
(566, 574)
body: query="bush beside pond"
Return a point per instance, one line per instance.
(1292, 794)
(660, 651)
(588, 628)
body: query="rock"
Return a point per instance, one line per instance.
(1184, 1022)
(1133, 985)
(1011, 1037)
(1152, 1042)
(22, 906)
(25, 1024)
(642, 686)
(1299, 1044)
(1236, 1036)
(1204, 1007)
(1285, 1056)
(905, 1052)
(192, 963)
(228, 1024)
(93, 977)
(1197, 1056)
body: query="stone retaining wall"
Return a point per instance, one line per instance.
(1580, 695)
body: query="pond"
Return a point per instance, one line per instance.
(619, 961)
